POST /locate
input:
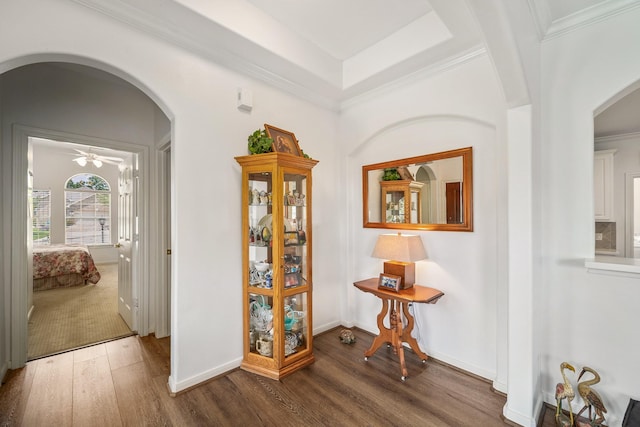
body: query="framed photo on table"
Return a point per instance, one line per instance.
(389, 282)
(283, 140)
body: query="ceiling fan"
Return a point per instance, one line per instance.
(89, 157)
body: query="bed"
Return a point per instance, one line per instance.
(59, 266)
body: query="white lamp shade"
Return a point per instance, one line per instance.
(81, 161)
(399, 247)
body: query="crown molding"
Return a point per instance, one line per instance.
(580, 19)
(541, 16)
(283, 75)
(208, 39)
(616, 138)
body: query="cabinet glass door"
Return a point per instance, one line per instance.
(295, 323)
(394, 206)
(260, 230)
(260, 250)
(295, 269)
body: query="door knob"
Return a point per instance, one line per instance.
(118, 245)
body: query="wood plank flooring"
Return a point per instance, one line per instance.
(123, 383)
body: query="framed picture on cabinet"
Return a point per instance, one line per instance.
(291, 280)
(283, 140)
(390, 282)
(405, 174)
(291, 238)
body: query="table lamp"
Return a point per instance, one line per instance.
(401, 252)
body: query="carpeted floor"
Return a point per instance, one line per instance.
(69, 318)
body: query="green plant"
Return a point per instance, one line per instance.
(259, 142)
(391, 174)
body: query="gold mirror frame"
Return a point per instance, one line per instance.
(466, 208)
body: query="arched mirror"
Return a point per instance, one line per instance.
(429, 192)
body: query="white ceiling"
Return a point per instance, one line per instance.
(621, 118)
(74, 149)
(344, 28)
(330, 51)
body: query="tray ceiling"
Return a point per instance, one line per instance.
(329, 51)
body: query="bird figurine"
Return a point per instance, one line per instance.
(591, 397)
(564, 391)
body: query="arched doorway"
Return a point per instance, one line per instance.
(71, 102)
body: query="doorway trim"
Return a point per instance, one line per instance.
(163, 255)
(19, 215)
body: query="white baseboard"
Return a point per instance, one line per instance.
(176, 387)
(489, 375)
(501, 387)
(517, 417)
(326, 327)
(522, 419)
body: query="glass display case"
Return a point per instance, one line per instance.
(277, 282)
(401, 201)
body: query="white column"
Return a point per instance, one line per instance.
(520, 383)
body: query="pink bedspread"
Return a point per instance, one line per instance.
(56, 260)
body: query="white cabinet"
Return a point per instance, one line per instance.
(603, 185)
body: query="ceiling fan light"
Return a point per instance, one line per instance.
(81, 161)
(97, 163)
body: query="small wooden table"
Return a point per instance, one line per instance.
(396, 334)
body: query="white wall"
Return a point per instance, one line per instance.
(583, 318)
(208, 131)
(587, 319)
(459, 108)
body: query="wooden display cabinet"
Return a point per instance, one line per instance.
(276, 261)
(401, 201)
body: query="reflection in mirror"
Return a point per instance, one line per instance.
(430, 192)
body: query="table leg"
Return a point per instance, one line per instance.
(407, 333)
(384, 335)
(396, 336)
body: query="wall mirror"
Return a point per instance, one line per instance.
(430, 192)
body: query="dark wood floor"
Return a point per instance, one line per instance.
(123, 382)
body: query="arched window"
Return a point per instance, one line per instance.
(87, 210)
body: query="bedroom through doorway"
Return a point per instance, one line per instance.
(82, 215)
(77, 316)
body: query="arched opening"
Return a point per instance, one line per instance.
(429, 210)
(67, 102)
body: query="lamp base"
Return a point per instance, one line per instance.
(406, 270)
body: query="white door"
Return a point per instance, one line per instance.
(126, 220)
